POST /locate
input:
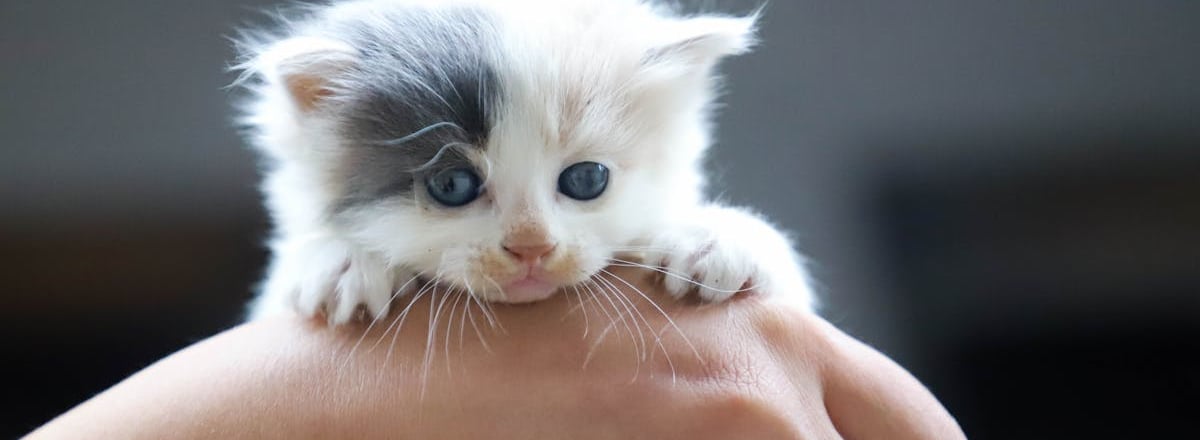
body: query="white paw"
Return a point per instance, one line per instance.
(330, 277)
(720, 252)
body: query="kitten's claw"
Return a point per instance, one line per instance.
(725, 251)
(329, 277)
(704, 263)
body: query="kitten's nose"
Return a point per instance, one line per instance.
(529, 254)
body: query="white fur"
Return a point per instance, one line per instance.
(649, 77)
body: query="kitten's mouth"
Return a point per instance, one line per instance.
(529, 289)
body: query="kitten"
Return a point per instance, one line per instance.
(507, 148)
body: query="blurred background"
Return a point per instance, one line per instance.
(1002, 196)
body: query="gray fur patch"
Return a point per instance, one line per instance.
(423, 91)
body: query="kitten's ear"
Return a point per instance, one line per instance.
(699, 42)
(306, 66)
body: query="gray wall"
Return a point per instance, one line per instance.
(837, 83)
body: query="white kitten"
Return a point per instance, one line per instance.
(507, 148)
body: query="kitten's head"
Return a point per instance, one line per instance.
(505, 147)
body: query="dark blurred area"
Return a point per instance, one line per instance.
(1002, 196)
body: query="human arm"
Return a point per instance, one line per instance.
(748, 368)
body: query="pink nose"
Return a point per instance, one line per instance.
(529, 254)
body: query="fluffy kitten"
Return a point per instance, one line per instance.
(506, 148)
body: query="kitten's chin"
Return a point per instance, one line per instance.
(528, 290)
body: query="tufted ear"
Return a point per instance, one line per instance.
(702, 41)
(306, 66)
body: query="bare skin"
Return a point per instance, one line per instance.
(746, 369)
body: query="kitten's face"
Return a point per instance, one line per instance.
(499, 153)
(537, 189)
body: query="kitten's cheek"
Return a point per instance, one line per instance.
(493, 265)
(575, 264)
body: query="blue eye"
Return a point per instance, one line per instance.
(583, 181)
(454, 187)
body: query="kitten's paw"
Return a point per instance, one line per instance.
(327, 276)
(700, 260)
(725, 251)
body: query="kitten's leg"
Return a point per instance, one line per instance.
(720, 251)
(326, 275)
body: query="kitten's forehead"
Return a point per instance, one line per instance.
(572, 69)
(569, 87)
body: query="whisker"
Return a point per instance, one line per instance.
(574, 308)
(489, 317)
(478, 333)
(489, 305)
(586, 321)
(642, 248)
(437, 157)
(421, 132)
(595, 299)
(430, 337)
(399, 321)
(670, 321)
(612, 324)
(658, 337)
(621, 316)
(642, 350)
(658, 334)
(486, 314)
(689, 280)
(462, 324)
(612, 321)
(458, 293)
(376, 319)
(634, 313)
